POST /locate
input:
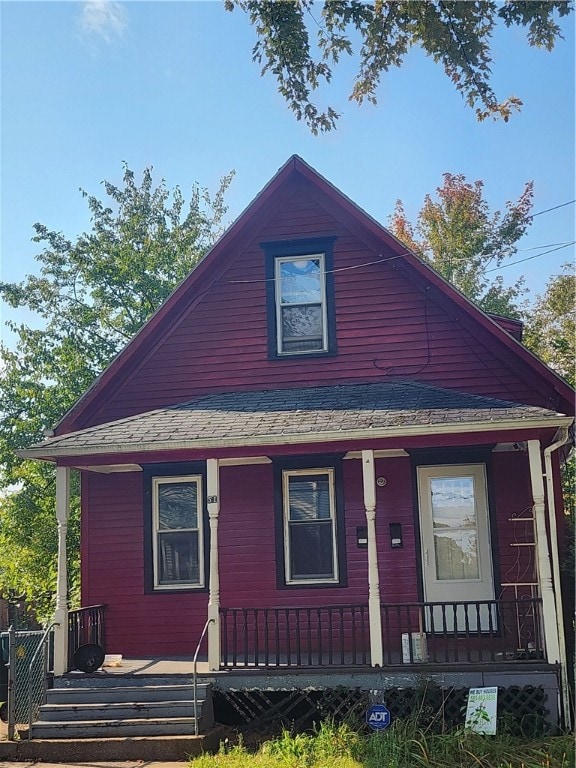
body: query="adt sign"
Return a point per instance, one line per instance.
(378, 717)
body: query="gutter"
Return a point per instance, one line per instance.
(562, 440)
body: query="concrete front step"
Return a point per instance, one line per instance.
(123, 693)
(123, 707)
(96, 729)
(121, 710)
(145, 749)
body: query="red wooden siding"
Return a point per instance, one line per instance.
(141, 624)
(113, 554)
(514, 502)
(387, 326)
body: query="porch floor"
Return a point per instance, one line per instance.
(183, 666)
(174, 665)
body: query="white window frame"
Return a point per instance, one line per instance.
(286, 475)
(278, 261)
(156, 532)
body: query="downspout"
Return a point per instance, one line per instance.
(374, 610)
(562, 440)
(213, 502)
(550, 622)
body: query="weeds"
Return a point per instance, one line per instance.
(406, 744)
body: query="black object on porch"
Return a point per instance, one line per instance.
(85, 627)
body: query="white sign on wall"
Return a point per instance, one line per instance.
(481, 710)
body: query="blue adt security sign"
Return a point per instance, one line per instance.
(378, 717)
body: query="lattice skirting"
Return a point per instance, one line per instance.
(521, 710)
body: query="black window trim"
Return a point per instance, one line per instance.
(301, 247)
(319, 462)
(180, 469)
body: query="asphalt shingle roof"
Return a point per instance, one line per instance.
(237, 418)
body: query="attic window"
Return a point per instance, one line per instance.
(301, 304)
(300, 297)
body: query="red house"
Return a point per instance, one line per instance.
(325, 450)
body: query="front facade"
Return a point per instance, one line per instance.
(323, 449)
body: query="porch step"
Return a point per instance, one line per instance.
(123, 707)
(95, 729)
(88, 694)
(98, 750)
(120, 710)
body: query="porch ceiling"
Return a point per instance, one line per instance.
(303, 415)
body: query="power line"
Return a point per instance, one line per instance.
(528, 258)
(562, 205)
(546, 245)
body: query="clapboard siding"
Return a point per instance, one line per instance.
(169, 624)
(386, 325)
(514, 503)
(393, 321)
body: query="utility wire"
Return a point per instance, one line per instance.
(562, 205)
(528, 258)
(546, 245)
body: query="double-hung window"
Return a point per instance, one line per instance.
(177, 540)
(300, 297)
(309, 520)
(301, 304)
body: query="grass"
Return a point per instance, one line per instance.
(405, 744)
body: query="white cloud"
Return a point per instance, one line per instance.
(106, 19)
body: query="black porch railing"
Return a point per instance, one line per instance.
(85, 625)
(295, 637)
(412, 633)
(463, 632)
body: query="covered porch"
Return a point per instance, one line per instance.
(338, 636)
(519, 626)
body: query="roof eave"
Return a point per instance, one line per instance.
(47, 454)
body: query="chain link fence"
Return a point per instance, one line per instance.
(30, 657)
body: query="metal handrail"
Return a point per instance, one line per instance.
(47, 631)
(194, 673)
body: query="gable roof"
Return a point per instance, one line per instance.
(190, 291)
(302, 415)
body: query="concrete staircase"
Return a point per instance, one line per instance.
(117, 706)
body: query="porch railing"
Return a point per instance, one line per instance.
(295, 636)
(85, 625)
(412, 633)
(463, 632)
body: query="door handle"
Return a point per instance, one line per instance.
(425, 558)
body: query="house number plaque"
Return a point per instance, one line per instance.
(212, 499)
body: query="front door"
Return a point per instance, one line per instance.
(456, 550)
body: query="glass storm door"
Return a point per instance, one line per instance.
(456, 551)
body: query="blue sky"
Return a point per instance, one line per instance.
(86, 86)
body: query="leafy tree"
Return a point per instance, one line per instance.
(453, 33)
(458, 235)
(92, 294)
(551, 328)
(551, 334)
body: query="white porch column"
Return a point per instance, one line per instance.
(543, 558)
(61, 612)
(213, 493)
(374, 612)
